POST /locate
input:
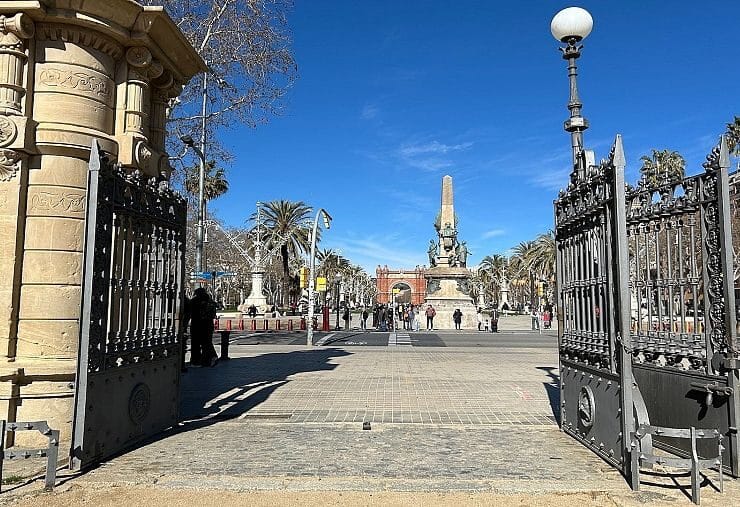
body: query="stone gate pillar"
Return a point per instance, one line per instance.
(70, 71)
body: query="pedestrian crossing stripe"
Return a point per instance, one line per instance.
(399, 340)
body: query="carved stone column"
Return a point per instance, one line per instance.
(70, 72)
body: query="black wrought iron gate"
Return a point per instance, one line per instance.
(646, 295)
(128, 370)
(594, 367)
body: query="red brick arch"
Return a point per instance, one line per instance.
(386, 279)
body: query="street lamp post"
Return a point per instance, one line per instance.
(338, 283)
(570, 26)
(312, 269)
(188, 141)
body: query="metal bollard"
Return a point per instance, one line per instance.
(225, 345)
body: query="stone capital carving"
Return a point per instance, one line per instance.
(9, 164)
(8, 131)
(143, 66)
(20, 25)
(143, 154)
(138, 57)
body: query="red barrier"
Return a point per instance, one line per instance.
(216, 324)
(290, 325)
(228, 324)
(277, 325)
(254, 324)
(266, 325)
(303, 323)
(241, 324)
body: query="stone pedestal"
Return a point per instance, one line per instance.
(448, 289)
(256, 297)
(70, 72)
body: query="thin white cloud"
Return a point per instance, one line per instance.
(369, 112)
(493, 233)
(431, 156)
(435, 147)
(552, 180)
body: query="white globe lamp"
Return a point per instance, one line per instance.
(571, 23)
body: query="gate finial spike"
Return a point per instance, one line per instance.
(724, 153)
(94, 156)
(619, 160)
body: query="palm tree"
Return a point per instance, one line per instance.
(215, 184)
(543, 256)
(522, 263)
(662, 167)
(288, 222)
(492, 272)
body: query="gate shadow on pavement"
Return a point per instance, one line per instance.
(553, 390)
(234, 387)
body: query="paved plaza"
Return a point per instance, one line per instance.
(473, 416)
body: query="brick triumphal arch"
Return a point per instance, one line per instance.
(387, 279)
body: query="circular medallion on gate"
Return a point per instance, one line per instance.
(586, 407)
(139, 403)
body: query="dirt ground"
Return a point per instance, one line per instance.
(77, 495)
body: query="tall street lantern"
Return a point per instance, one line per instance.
(190, 143)
(570, 26)
(322, 213)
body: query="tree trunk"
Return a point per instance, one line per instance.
(286, 274)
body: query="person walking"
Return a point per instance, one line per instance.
(412, 318)
(430, 313)
(363, 321)
(479, 316)
(346, 317)
(202, 314)
(457, 317)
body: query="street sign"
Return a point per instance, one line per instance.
(396, 291)
(210, 275)
(320, 283)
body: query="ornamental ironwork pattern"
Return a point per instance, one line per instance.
(676, 275)
(137, 281)
(583, 232)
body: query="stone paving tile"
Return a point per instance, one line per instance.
(383, 384)
(212, 455)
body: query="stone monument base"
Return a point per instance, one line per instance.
(446, 287)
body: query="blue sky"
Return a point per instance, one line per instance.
(392, 95)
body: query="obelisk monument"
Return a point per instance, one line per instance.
(448, 278)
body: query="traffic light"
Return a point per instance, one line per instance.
(304, 277)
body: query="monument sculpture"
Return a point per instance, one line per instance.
(448, 278)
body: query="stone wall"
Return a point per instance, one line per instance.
(70, 71)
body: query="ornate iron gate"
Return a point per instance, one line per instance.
(646, 295)
(682, 299)
(128, 370)
(594, 366)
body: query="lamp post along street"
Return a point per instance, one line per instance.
(571, 26)
(337, 283)
(312, 271)
(200, 226)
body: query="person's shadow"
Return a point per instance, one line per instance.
(232, 388)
